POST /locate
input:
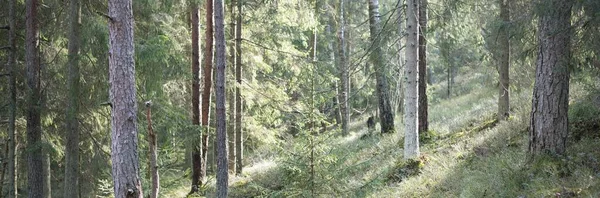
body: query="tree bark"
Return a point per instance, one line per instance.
(47, 169)
(548, 129)
(422, 71)
(12, 69)
(343, 67)
(35, 167)
(208, 58)
(196, 142)
(222, 167)
(153, 155)
(72, 136)
(411, 105)
(503, 61)
(239, 143)
(382, 89)
(124, 154)
(231, 95)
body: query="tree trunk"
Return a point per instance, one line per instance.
(231, 95)
(548, 129)
(48, 176)
(382, 91)
(71, 189)
(222, 173)
(239, 144)
(401, 58)
(153, 155)
(124, 154)
(196, 142)
(411, 134)
(35, 167)
(12, 69)
(422, 71)
(343, 67)
(503, 60)
(208, 58)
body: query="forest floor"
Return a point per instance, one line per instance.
(466, 154)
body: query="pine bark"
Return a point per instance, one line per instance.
(503, 61)
(196, 143)
(343, 67)
(382, 89)
(124, 153)
(11, 175)
(152, 145)
(220, 61)
(208, 74)
(423, 112)
(411, 135)
(72, 136)
(549, 129)
(231, 95)
(35, 167)
(239, 143)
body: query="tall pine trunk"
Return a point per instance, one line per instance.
(220, 62)
(196, 142)
(411, 134)
(386, 115)
(343, 67)
(549, 129)
(124, 153)
(423, 118)
(11, 175)
(239, 143)
(208, 60)
(231, 95)
(503, 60)
(35, 167)
(72, 136)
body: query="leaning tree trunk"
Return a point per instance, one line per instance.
(208, 58)
(221, 140)
(422, 114)
(343, 67)
(411, 134)
(124, 153)
(196, 142)
(386, 112)
(503, 61)
(35, 167)
(549, 129)
(72, 136)
(239, 143)
(11, 175)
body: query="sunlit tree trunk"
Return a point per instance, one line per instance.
(196, 142)
(503, 60)
(386, 115)
(239, 143)
(343, 68)
(124, 153)
(411, 135)
(11, 175)
(72, 136)
(231, 95)
(221, 140)
(208, 60)
(549, 129)
(35, 167)
(423, 118)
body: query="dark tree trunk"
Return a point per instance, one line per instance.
(35, 167)
(423, 118)
(231, 95)
(196, 148)
(72, 136)
(11, 183)
(208, 60)
(382, 91)
(124, 153)
(239, 144)
(503, 61)
(221, 140)
(548, 129)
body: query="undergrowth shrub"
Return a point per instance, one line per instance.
(584, 118)
(406, 168)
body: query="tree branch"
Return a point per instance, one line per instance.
(104, 15)
(5, 48)
(5, 27)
